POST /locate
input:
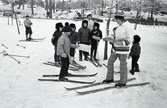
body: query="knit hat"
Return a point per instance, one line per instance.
(85, 21)
(72, 25)
(96, 24)
(58, 25)
(66, 29)
(136, 38)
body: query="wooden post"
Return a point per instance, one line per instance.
(15, 18)
(107, 33)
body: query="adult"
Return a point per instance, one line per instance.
(121, 44)
(90, 22)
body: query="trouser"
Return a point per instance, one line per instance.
(72, 52)
(135, 66)
(56, 57)
(93, 50)
(123, 67)
(28, 31)
(64, 67)
(84, 53)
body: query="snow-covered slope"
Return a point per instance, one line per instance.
(21, 89)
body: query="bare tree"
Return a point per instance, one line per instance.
(32, 7)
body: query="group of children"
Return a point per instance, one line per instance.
(65, 40)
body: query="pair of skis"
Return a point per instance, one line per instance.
(80, 90)
(69, 80)
(73, 67)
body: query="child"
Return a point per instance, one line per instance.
(84, 38)
(96, 35)
(63, 50)
(66, 26)
(27, 24)
(74, 40)
(135, 54)
(56, 35)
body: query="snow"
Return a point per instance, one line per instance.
(21, 89)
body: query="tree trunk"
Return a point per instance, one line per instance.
(107, 33)
(62, 8)
(32, 7)
(53, 6)
(50, 8)
(20, 2)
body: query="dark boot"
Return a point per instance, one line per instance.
(63, 79)
(120, 85)
(132, 72)
(108, 81)
(80, 55)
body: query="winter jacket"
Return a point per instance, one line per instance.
(84, 35)
(122, 39)
(135, 50)
(27, 23)
(63, 45)
(96, 33)
(55, 37)
(74, 37)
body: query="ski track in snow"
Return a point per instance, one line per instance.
(21, 89)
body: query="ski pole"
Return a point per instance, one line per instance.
(6, 54)
(4, 46)
(21, 46)
(19, 56)
(2, 52)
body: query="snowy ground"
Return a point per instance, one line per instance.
(21, 89)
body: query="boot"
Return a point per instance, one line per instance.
(132, 72)
(108, 81)
(63, 79)
(120, 85)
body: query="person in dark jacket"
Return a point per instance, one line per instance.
(135, 54)
(63, 50)
(96, 35)
(28, 24)
(74, 40)
(84, 38)
(56, 35)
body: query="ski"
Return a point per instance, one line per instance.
(29, 41)
(38, 38)
(53, 64)
(73, 75)
(78, 65)
(98, 63)
(111, 87)
(95, 84)
(69, 80)
(105, 65)
(94, 63)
